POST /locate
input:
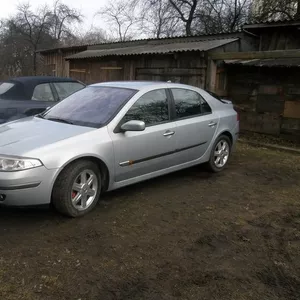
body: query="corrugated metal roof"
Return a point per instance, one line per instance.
(204, 45)
(278, 62)
(274, 23)
(236, 34)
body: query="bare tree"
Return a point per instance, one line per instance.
(159, 19)
(29, 30)
(63, 17)
(122, 17)
(186, 10)
(92, 36)
(266, 10)
(33, 27)
(16, 57)
(216, 16)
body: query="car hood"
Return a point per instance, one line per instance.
(24, 135)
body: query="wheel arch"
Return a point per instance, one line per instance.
(98, 161)
(228, 134)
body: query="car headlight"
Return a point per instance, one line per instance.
(10, 164)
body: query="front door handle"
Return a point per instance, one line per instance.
(169, 133)
(212, 124)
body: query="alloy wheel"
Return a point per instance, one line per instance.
(221, 154)
(84, 190)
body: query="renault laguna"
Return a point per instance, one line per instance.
(111, 135)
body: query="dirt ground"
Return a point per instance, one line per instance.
(188, 235)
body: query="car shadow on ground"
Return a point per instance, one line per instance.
(46, 213)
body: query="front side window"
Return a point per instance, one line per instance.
(189, 103)
(5, 86)
(65, 89)
(42, 92)
(92, 106)
(152, 108)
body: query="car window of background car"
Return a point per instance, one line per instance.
(99, 106)
(189, 103)
(65, 89)
(5, 86)
(152, 108)
(42, 92)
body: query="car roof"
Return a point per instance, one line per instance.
(24, 86)
(140, 85)
(40, 79)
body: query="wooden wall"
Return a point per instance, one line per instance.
(280, 39)
(189, 68)
(268, 98)
(55, 63)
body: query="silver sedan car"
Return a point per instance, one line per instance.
(108, 136)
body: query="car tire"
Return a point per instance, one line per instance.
(223, 146)
(77, 189)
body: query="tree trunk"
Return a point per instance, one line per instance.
(188, 27)
(297, 16)
(34, 62)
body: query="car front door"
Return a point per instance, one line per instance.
(196, 124)
(138, 153)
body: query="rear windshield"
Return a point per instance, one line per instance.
(5, 86)
(92, 106)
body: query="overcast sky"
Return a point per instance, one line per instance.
(87, 7)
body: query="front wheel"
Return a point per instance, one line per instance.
(77, 189)
(220, 154)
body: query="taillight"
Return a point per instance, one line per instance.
(237, 116)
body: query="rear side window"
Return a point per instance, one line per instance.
(5, 87)
(65, 89)
(189, 103)
(43, 92)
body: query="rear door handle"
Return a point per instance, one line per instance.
(212, 124)
(169, 133)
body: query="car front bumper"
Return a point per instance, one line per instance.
(28, 187)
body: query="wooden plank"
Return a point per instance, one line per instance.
(292, 109)
(171, 71)
(78, 70)
(111, 68)
(256, 54)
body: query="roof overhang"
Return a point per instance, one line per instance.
(270, 63)
(161, 48)
(270, 25)
(63, 49)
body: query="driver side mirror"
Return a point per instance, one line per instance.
(133, 125)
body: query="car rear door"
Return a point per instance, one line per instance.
(196, 124)
(143, 152)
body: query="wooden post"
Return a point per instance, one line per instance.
(211, 75)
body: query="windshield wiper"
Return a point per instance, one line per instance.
(59, 120)
(40, 116)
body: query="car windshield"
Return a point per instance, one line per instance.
(93, 106)
(5, 86)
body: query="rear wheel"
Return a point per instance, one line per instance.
(220, 154)
(77, 189)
